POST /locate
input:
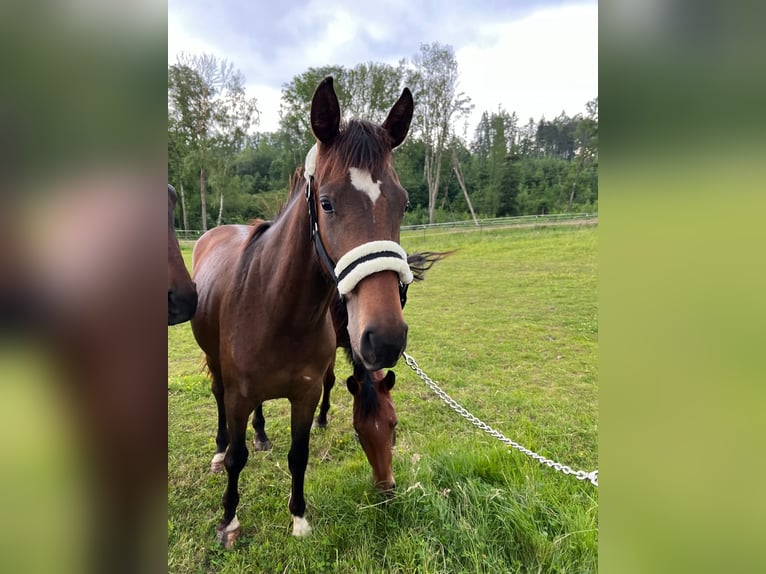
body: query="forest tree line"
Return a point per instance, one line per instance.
(226, 171)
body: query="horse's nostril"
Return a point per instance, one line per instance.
(382, 349)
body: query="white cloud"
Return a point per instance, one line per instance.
(268, 105)
(180, 41)
(539, 65)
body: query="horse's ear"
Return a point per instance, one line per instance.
(352, 386)
(390, 380)
(325, 112)
(397, 123)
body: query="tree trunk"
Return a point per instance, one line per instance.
(432, 170)
(574, 184)
(220, 210)
(203, 198)
(183, 210)
(459, 174)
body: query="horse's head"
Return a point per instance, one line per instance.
(375, 424)
(359, 205)
(182, 294)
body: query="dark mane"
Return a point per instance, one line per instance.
(359, 144)
(368, 399)
(259, 227)
(294, 184)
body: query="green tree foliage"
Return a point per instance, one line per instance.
(509, 167)
(433, 80)
(209, 121)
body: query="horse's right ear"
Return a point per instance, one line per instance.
(352, 386)
(325, 112)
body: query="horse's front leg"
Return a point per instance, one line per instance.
(301, 413)
(261, 441)
(237, 412)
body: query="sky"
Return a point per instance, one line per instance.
(533, 57)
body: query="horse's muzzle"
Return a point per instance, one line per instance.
(381, 349)
(181, 306)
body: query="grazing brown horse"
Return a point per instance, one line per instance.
(182, 294)
(264, 292)
(374, 415)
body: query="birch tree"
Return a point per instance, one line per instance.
(433, 79)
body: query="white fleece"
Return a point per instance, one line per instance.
(397, 264)
(310, 165)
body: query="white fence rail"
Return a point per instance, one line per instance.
(193, 234)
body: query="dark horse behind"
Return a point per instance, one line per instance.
(264, 292)
(182, 294)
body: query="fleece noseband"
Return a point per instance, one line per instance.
(361, 261)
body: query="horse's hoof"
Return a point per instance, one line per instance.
(227, 535)
(261, 445)
(319, 424)
(301, 526)
(216, 465)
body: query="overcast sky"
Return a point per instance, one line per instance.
(534, 57)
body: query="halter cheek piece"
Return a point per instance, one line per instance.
(363, 260)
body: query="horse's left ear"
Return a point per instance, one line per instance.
(397, 123)
(390, 380)
(325, 112)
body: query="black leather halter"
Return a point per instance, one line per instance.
(327, 262)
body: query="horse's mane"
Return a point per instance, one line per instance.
(359, 144)
(368, 398)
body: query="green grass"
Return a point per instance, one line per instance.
(508, 327)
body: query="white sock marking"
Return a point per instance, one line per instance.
(233, 525)
(218, 458)
(362, 180)
(301, 526)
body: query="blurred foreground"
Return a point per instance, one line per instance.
(83, 403)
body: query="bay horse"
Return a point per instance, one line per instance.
(182, 294)
(264, 292)
(373, 412)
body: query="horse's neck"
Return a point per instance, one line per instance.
(289, 275)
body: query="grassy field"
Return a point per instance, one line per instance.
(508, 327)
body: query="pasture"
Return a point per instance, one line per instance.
(508, 326)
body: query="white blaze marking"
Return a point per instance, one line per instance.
(362, 180)
(301, 526)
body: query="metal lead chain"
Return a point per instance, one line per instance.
(591, 477)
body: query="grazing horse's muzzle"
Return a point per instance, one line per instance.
(387, 489)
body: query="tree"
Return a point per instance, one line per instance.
(365, 91)
(586, 144)
(433, 80)
(209, 117)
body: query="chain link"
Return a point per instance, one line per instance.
(591, 477)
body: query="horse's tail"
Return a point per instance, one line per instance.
(421, 262)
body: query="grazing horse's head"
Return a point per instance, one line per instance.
(375, 424)
(359, 204)
(182, 294)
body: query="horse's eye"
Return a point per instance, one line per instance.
(407, 206)
(326, 205)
